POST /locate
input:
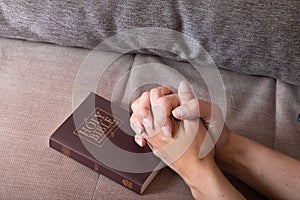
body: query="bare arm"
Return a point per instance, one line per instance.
(203, 176)
(209, 183)
(272, 173)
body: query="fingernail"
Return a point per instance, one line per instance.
(184, 86)
(147, 123)
(166, 131)
(181, 111)
(136, 128)
(139, 141)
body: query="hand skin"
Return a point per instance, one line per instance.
(272, 173)
(203, 176)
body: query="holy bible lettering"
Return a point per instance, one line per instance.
(93, 124)
(99, 127)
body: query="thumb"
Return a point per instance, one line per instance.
(185, 92)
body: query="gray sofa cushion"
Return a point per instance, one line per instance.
(254, 37)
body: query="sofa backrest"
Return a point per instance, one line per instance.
(254, 37)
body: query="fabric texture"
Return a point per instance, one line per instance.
(36, 85)
(254, 37)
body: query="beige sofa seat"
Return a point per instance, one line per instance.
(36, 86)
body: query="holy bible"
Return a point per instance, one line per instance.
(98, 135)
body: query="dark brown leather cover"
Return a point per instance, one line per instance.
(91, 132)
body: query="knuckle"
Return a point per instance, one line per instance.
(134, 106)
(194, 102)
(162, 101)
(187, 95)
(141, 114)
(145, 94)
(133, 118)
(154, 92)
(171, 88)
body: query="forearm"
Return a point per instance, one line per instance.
(209, 183)
(269, 172)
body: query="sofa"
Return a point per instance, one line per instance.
(45, 44)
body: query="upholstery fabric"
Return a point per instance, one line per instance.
(254, 37)
(36, 85)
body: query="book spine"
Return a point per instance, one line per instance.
(95, 166)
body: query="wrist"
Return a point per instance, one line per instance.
(200, 170)
(201, 178)
(210, 183)
(226, 155)
(201, 175)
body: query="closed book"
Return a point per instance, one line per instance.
(98, 135)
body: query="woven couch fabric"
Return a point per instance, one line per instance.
(254, 37)
(36, 85)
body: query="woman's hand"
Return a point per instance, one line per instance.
(212, 117)
(179, 143)
(175, 142)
